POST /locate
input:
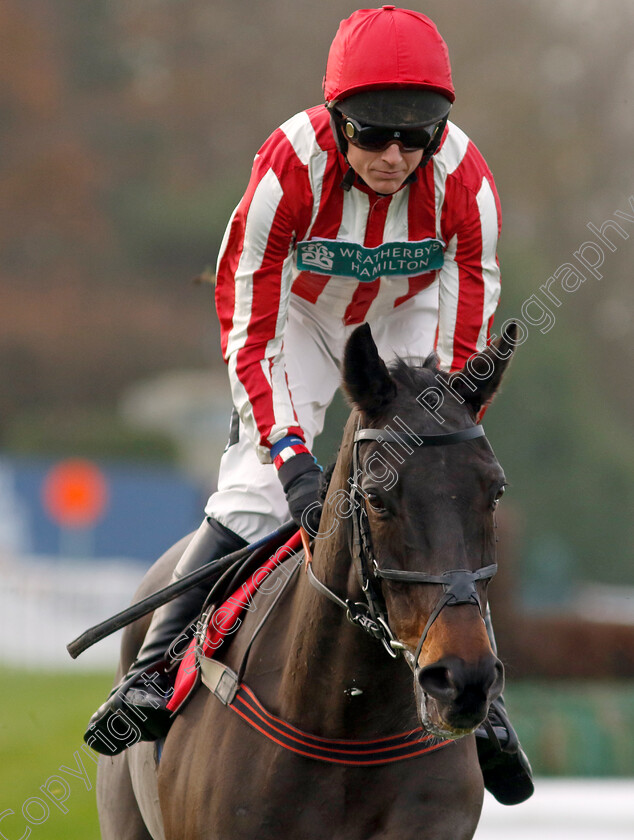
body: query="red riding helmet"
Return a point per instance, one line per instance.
(387, 48)
(390, 68)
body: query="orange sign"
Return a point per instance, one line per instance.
(75, 493)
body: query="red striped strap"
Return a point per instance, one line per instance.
(361, 753)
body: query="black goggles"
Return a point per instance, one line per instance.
(374, 138)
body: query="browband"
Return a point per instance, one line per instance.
(386, 436)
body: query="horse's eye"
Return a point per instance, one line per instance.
(375, 502)
(498, 496)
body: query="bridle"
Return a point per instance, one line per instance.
(459, 585)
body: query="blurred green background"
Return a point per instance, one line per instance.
(127, 131)
(41, 724)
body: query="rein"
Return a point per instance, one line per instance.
(459, 585)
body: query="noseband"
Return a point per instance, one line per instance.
(459, 585)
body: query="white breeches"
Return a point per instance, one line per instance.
(249, 499)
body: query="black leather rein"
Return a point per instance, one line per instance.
(459, 585)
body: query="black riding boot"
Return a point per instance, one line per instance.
(505, 768)
(136, 708)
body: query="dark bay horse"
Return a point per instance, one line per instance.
(409, 518)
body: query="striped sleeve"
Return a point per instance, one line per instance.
(253, 291)
(470, 222)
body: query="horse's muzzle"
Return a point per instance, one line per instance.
(454, 696)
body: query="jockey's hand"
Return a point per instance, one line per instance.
(301, 480)
(304, 500)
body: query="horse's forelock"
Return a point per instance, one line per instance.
(416, 377)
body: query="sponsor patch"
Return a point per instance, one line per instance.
(391, 259)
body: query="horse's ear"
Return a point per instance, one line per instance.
(479, 380)
(366, 379)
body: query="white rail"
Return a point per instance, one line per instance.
(44, 604)
(564, 809)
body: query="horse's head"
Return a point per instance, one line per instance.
(427, 487)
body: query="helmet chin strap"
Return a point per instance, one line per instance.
(349, 178)
(342, 144)
(432, 148)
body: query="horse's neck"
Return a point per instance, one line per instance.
(337, 679)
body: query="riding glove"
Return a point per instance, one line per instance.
(301, 480)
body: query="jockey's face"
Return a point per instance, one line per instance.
(383, 171)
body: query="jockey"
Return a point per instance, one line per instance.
(372, 207)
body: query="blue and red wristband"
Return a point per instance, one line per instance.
(292, 457)
(286, 448)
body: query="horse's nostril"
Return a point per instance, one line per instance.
(453, 681)
(436, 681)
